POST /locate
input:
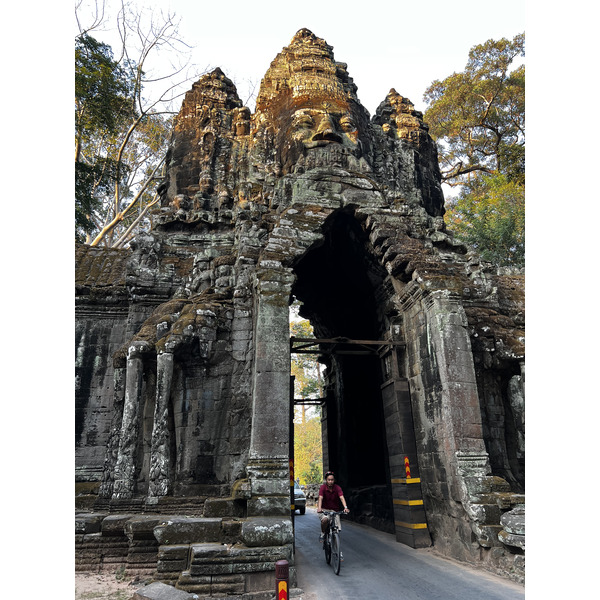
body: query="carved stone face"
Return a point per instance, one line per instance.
(308, 103)
(317, 127)
(318, 133)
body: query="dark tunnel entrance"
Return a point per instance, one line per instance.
(341, 289)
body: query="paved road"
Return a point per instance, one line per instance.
(377, 567)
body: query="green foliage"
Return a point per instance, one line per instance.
(102, 88)
(308, 452)
(102, 106)
(489, 215)
(478, 116)
(117, 141)
(305, 368)
(92, 181)
(308, 449)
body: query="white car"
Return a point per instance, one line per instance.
(299, 498)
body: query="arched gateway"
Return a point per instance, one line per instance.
(183, 347)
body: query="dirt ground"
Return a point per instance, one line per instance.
(104, 586)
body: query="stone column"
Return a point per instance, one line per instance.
(459, 425)
(160, 450)
(125, 468)
(268, 464)
(112, 449)
(451, 349)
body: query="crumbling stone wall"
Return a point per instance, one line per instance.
(309, 198)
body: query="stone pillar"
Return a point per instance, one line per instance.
(112, 449)
(451, 349)
(125, 468)
(160, 450)
(268, 466)
(458, 422)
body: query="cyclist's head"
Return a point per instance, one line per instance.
(328, 475)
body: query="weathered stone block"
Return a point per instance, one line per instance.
(488, 514)
(88, 523)
(182, 530)
(486, 484)
(224, 507)
(228, 584)
(514, 521)
(114, 525)
(172, 559)
(162, 591)
(512, 539)
(231, 530)
(269, 505)
(270, 487)
(487, 535)
(177, 552)
(141, 527)
(267, 531)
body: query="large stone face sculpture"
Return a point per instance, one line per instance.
(183, 398)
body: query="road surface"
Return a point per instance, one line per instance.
(377, 567)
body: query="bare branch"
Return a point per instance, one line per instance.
(128, 234)
(458, 170)
(97, 17)
(121, 215)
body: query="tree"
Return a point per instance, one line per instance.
(305, 368)
(101, 90)
(308, 451)
(477, 118)
(489, 215)
(122, 121)
(308, 447)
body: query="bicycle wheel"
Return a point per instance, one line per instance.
(335, 553)
(327, 548)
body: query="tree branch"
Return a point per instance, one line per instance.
(121, 215)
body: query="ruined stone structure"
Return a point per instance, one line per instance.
(183, 346)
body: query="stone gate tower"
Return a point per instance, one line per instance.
(183, 345)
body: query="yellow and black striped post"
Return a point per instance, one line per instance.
(409, 512)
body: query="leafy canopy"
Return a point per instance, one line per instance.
(477, 118)
(308, 448)
(308, 451)
(489, 215)
(119, 140)
(102, 108)
(102, 88)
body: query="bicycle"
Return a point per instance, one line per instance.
(331, 543)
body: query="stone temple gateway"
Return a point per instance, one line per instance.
(183, 346)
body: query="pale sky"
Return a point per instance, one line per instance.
(384, 43)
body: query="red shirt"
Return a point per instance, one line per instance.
(331, 499)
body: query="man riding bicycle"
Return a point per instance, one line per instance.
(330, 498)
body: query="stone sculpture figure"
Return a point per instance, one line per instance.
(308, 197)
